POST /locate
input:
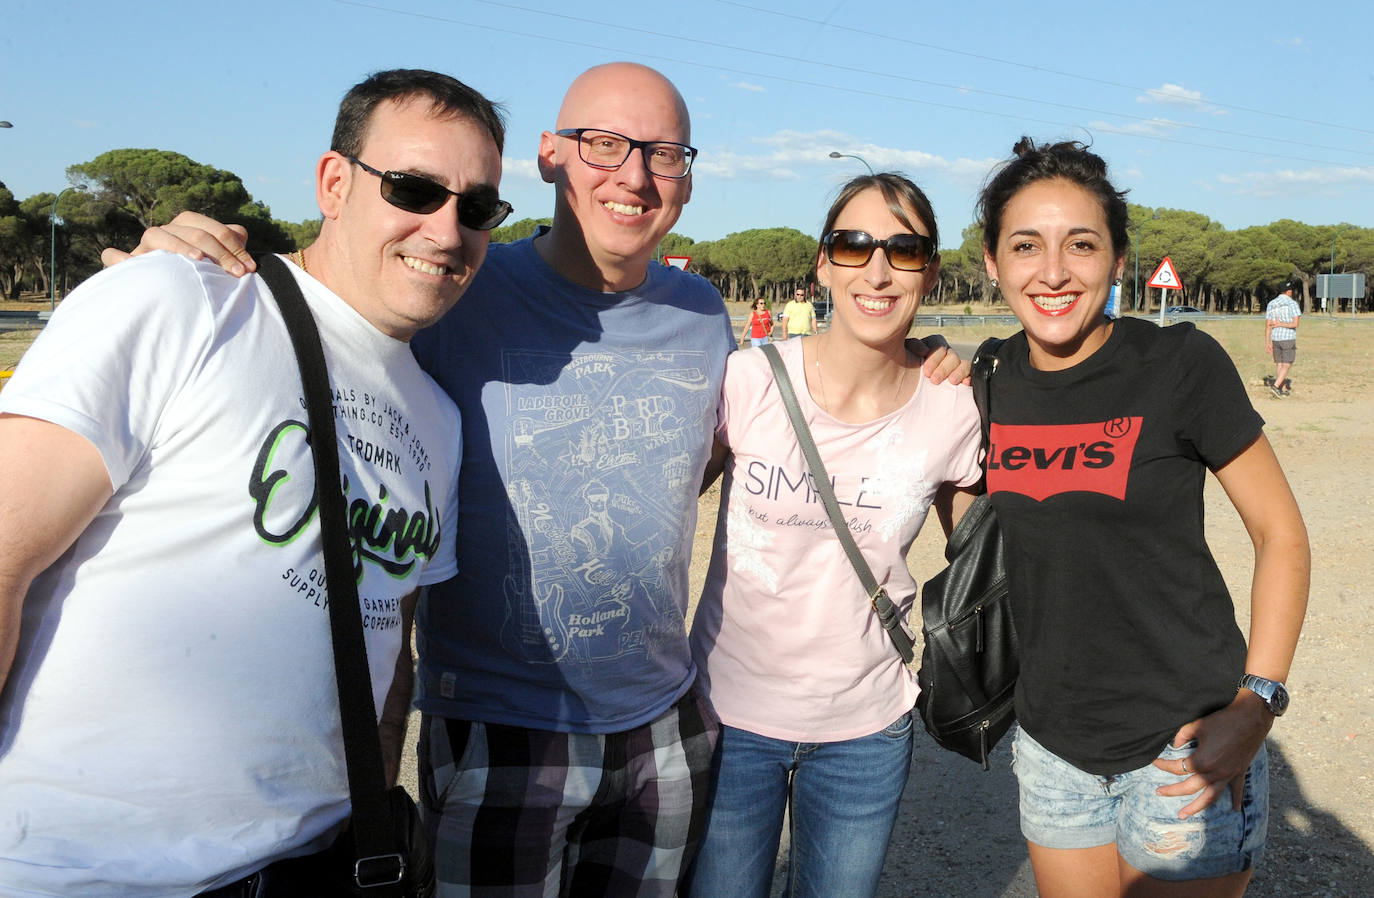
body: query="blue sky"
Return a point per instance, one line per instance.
(1245, 112)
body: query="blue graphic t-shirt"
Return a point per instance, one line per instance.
(587, 421)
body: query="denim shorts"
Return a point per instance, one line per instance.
(1064, 807)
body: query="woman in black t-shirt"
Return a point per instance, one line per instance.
(1143, 714)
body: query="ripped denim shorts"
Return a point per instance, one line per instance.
(1064, 807)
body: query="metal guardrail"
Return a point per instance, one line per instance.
(942, 320)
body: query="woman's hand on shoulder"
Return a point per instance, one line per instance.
(1227, 742)
(197, 237)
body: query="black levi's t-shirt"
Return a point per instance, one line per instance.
(1127, 631)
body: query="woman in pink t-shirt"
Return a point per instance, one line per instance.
(814, 700)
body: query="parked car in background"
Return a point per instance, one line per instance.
(1183, 310)
(821, 302)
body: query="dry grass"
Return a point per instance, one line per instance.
(13, 345)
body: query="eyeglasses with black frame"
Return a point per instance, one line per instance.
(853, 249)
(608, 150)
(480, 209)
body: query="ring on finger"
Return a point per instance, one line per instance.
(1185, 766)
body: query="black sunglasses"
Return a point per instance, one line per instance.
(608, 150)
(480, 209)
(853, 249)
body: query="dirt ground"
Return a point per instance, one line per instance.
(958, 834)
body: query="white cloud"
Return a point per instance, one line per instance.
(1177, 95)
(1296, 42)
(780, 155)
(1151, 127)
(1325, 181)
(519, 166)
(745, 85)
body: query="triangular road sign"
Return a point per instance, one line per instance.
(678, 262)
(1165, 277)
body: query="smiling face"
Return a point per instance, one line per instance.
(401, 270)
(1055, 262)
(875, 302)
(608, 224)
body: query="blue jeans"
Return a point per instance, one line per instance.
(844, 798)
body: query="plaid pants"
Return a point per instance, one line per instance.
(522, 813)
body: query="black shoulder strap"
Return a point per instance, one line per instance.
(357, 710)
(887, 612)
(985, 363)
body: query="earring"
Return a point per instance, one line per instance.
(1116, 283)
(995, 285)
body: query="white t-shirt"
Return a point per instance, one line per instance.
(171, 720)
(788, 644)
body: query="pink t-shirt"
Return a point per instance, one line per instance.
(787, 642)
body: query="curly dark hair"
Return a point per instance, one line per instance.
(1070, 160)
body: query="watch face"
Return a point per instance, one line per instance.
(1278, 702)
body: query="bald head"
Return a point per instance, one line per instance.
(630, 95)
(608, 219)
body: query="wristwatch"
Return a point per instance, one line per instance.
(1273, 693)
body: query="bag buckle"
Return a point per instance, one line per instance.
(379, 870)
(884, 608)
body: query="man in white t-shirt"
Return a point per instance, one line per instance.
(169, 722)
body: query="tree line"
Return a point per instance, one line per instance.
(115, 196)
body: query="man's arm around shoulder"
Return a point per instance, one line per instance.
(53, 482)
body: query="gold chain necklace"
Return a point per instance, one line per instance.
(820, 378)
(299, 258)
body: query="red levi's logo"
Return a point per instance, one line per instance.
(1043, 460)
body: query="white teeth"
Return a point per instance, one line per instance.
(623, 209)
(873, 305)
(1055, 303)
(423, 266)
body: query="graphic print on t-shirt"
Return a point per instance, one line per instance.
(886, 499)
(1044, 460)
(392, 539)
(595, 467)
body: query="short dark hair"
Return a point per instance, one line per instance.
(901, 194)
(449, 98)
(1070, 160)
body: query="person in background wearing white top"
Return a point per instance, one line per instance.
(814, 700)
(169, 721)
(1281, 319)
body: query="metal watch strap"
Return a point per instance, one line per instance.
(1273, 693)
(888, 614)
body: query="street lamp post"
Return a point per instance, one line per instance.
(52, 243)
(6, 125)
(836, 154)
